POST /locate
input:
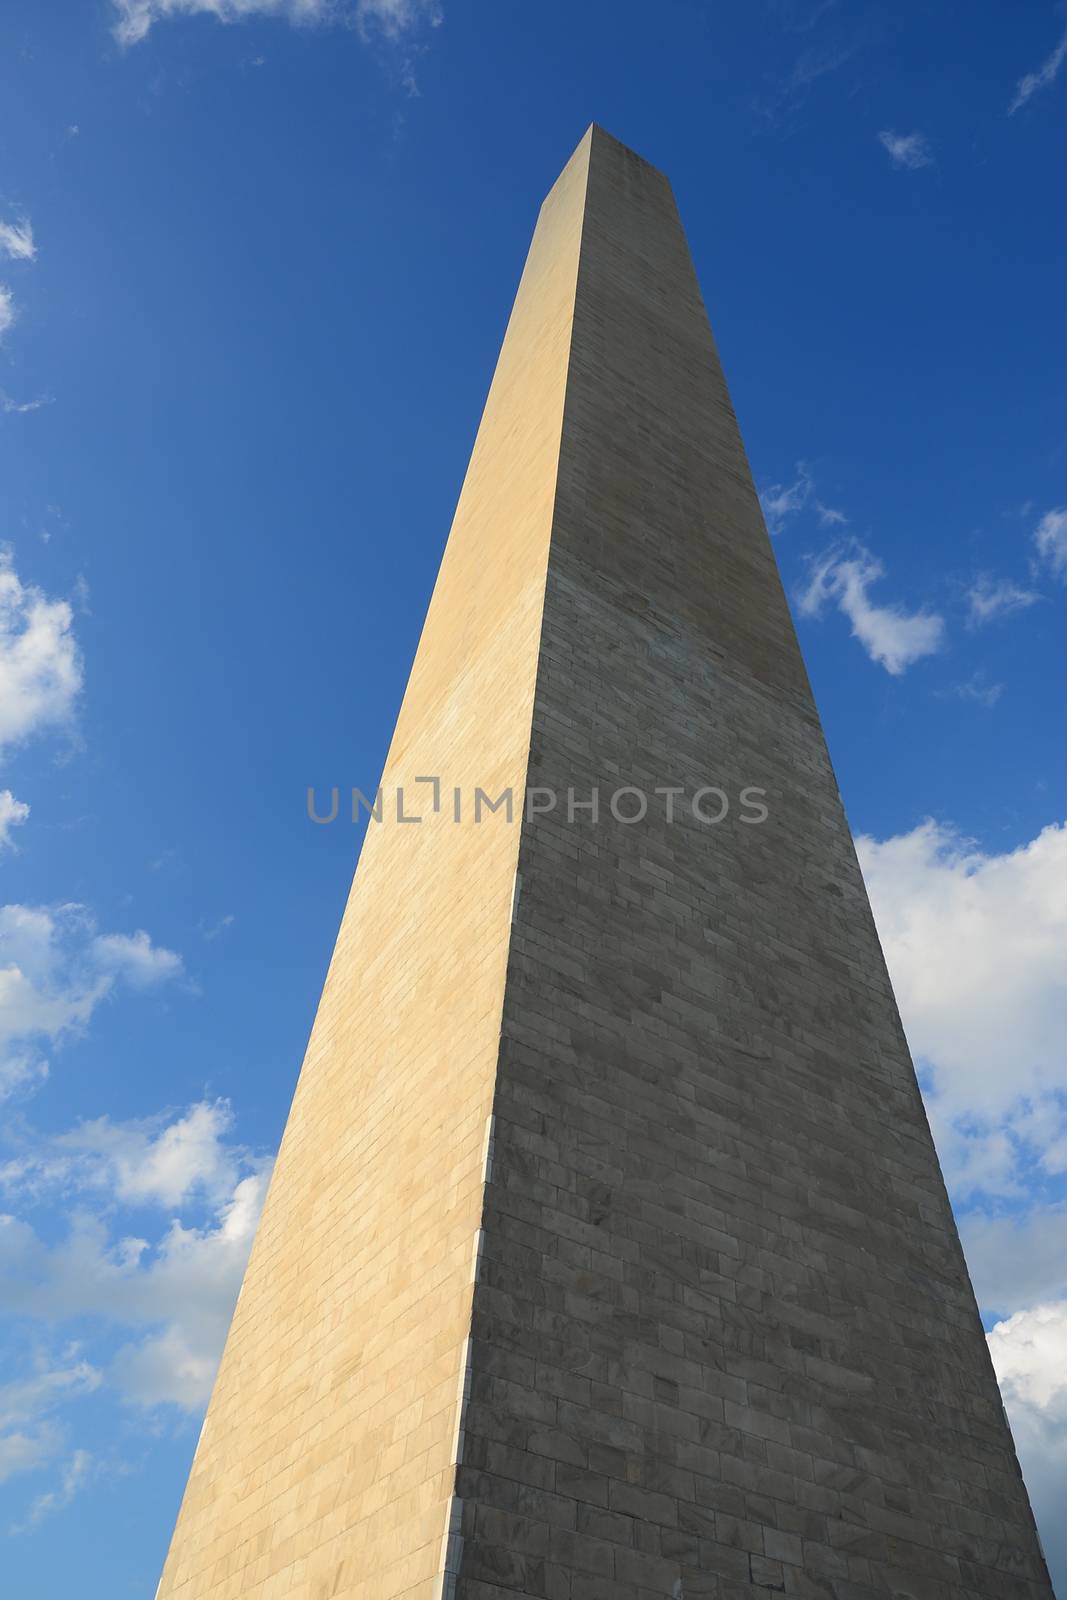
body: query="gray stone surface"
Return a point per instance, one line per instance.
(723, 1341)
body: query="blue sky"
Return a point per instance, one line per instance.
(256, 258)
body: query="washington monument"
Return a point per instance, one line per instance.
(607, 1255)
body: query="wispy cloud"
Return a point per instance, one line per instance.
(11, 407)
(30, 1435)
(16, 240)
(7, 309)
(1045, 75)
(74, 1474)
(781, 501)
(976, 689)
(785, 94)
(908, 150)
(1050, 538)
(989, 598)
(891, 636)
(395, 18)
(392, 19)
(55, 969)
(797, 18)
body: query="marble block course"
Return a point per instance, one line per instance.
(607, 1256)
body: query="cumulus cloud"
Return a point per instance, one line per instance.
(40, 663)
(989, 598)
(1050, 537)
(908, 150)
(16, 240)
(176, 1295)
(54, 971)
(150, 1161)
(134, 19)
(1045, 75)
(1029, 1351)
(12, 814)
(974, 942)
(891, 636)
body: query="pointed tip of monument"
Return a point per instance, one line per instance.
(597, 133)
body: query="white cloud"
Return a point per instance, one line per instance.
(134, 957)
(40, 664)
(25, 1452)
(989, 598)
(978, 690)
(29, 1435)
(393, 18)
(149, 1161)
(7, 309)
(782, 501)
(54, 971)
(1050, 537)
(1029, 1352)
(1045, 75)
(19, 408)
(909, 150)
(73, 1476)
(974, 943)
(12, 814)
(397, 17)
(178, 1293)
(891, 636)
(16, 240)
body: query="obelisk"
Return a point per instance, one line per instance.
(607, 1255)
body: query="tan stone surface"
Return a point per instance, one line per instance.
(325, 1464)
